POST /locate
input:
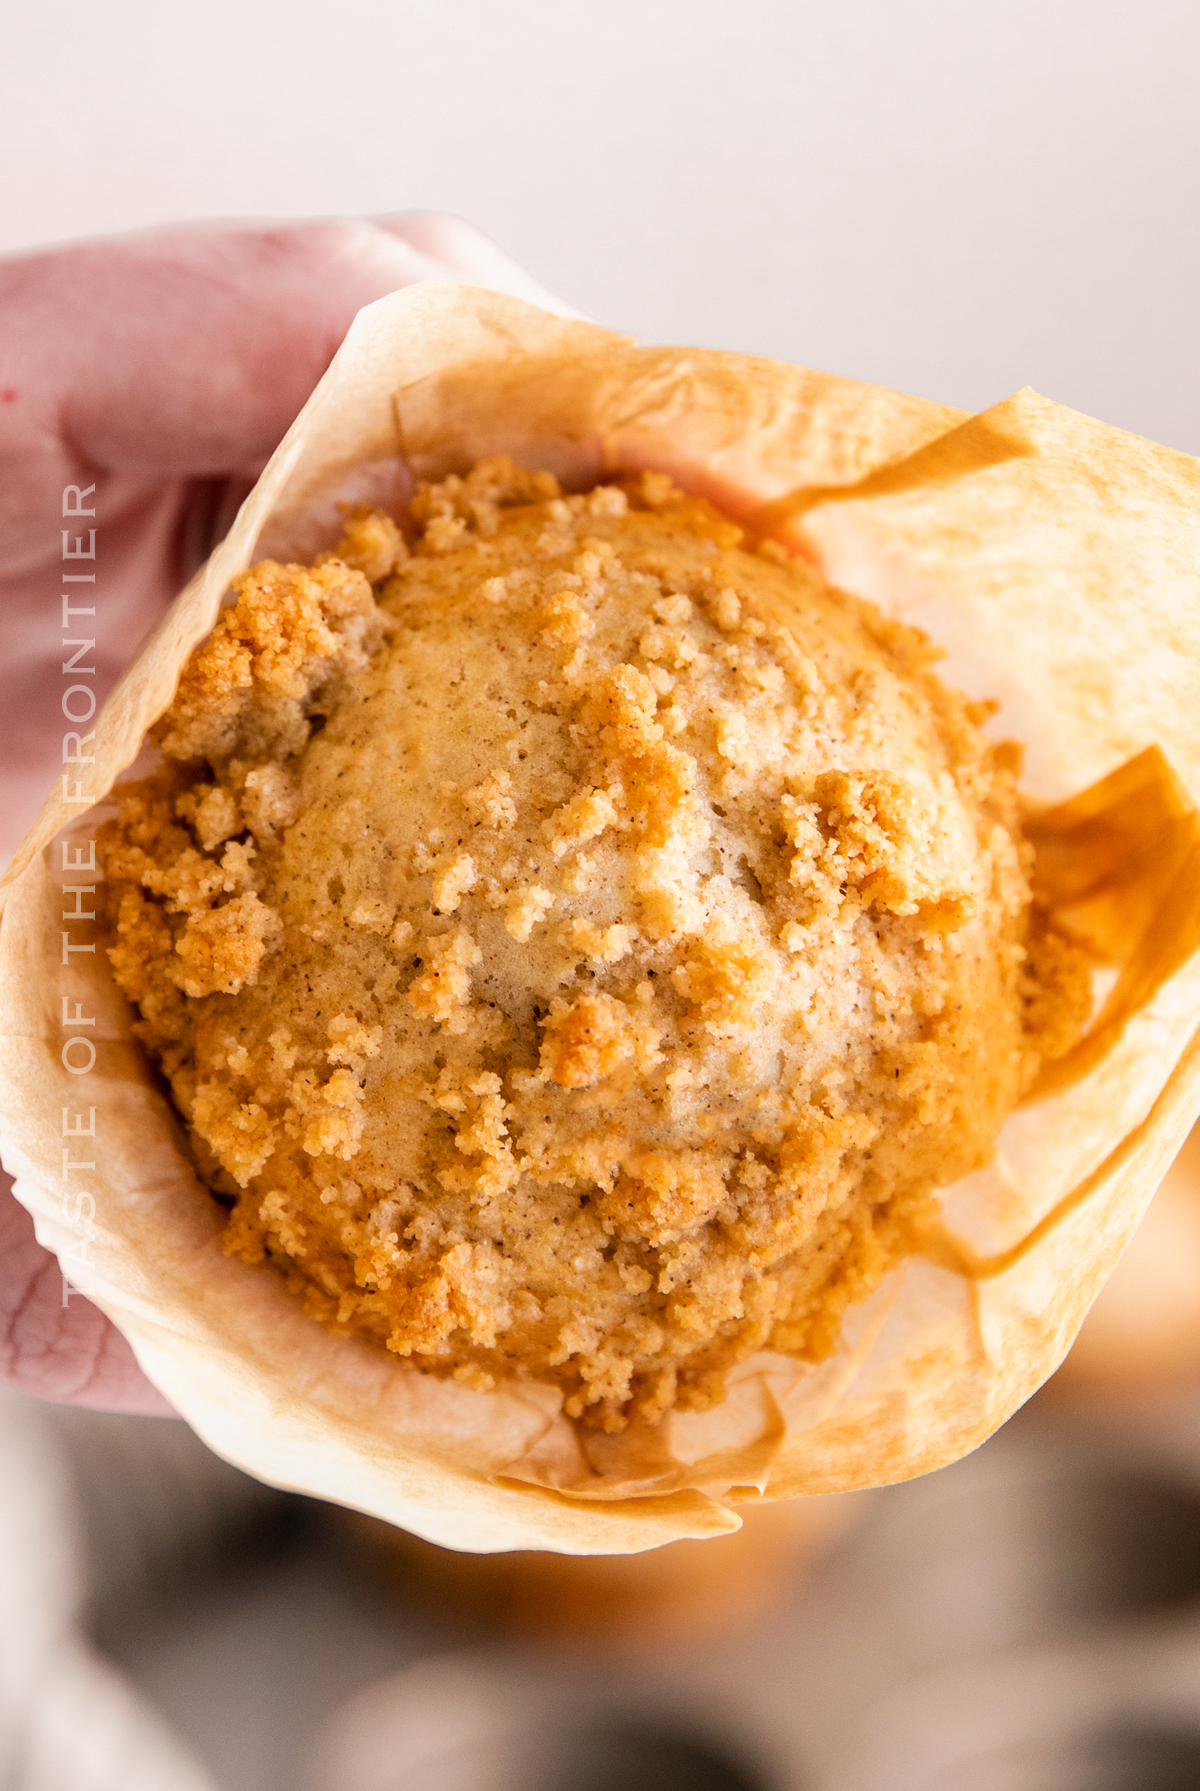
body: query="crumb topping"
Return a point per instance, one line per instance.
(580, 947)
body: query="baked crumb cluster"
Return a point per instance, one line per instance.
(580, 947)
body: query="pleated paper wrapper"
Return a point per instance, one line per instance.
(1056, 562)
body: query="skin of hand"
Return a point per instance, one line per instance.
(163, 369)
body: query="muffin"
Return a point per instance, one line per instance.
(581, 948)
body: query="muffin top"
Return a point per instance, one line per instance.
(580, 947)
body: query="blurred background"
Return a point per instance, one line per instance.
(949, 199)
(953, 200)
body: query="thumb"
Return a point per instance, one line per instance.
(455, 250)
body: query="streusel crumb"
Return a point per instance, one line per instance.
(580, 947)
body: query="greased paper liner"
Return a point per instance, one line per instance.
(1056, 561)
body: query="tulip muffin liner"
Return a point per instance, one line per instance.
(1055, 561)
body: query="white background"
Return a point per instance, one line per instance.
(953, 197)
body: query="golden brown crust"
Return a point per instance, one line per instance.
(606, 988)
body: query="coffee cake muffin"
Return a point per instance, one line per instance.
(580, 947)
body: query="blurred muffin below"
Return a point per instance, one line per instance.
(685, 1591)
(1143, 1333)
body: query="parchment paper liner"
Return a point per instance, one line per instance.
(1055, 559)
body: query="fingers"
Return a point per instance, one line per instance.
(187, 351)
(190, 351)
(70, 1353)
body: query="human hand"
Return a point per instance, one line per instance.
(163, 369)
